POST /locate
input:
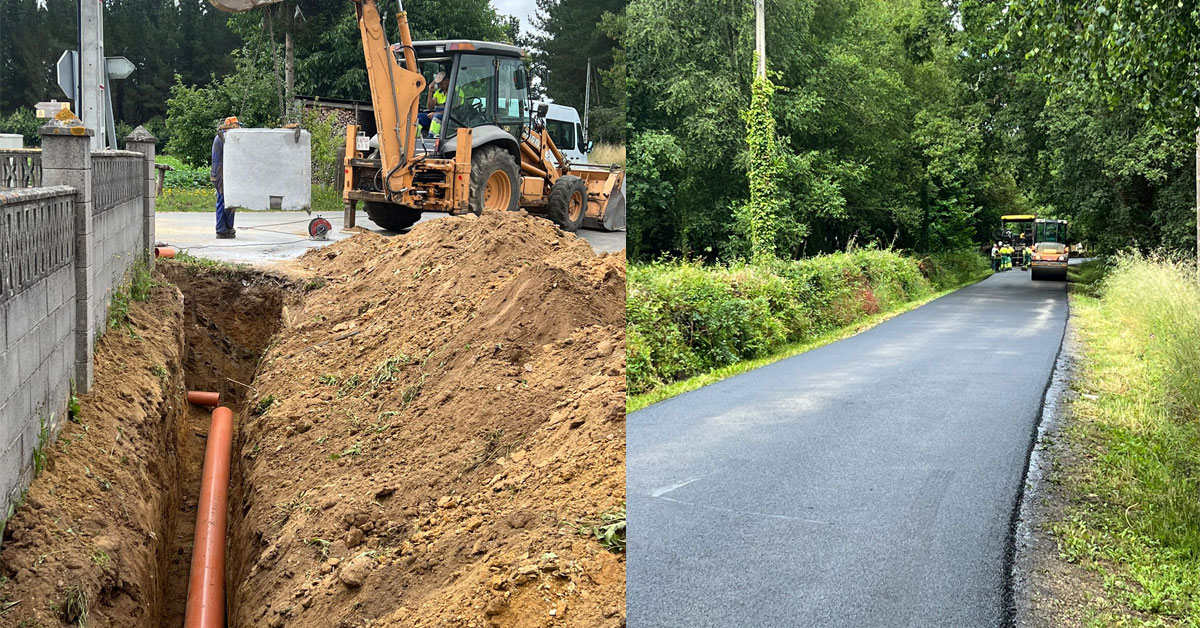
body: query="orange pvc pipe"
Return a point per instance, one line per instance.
(164, 251)
(206, 586)
(201, 398)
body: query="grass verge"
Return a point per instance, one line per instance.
(605, 154)
(1132, 481)
(325, 199)
(636, 402)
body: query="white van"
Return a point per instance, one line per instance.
(567, 131)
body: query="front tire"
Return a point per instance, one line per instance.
(495, 181)
(390, 216)
(567, 203)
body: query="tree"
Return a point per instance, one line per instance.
(1125, 51)
(576, 32)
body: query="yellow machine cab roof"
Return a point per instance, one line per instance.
(1018, 217)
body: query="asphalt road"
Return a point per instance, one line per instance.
(273, 236)
(870, 482)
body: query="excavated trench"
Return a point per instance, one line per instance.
(229, 320)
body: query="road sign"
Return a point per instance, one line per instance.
(50, 109)
(68, 66)
(118, 67)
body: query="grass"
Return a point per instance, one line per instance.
(74, 608)
(325, 199)
(1133, 518)
(605, 153)
(137, 288)
(263, 405)
(196, 264)
(608, 528)
(636, 402)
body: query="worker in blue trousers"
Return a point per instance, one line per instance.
(217, 176)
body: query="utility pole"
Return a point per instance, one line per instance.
(91, 70)
(587, 96)
(760, 40)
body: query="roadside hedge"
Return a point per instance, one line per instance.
(685, 318)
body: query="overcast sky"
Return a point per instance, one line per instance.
(523, 9)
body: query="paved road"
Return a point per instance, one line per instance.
(262, 238)
(870, 482)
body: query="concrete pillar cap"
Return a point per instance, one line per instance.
(65, 123)
(140, 134)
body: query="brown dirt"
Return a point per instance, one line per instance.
(437, 412)
(92, 522)
(229, 317)
(111, 518)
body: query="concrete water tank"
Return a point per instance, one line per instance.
(268, 169)
(11, 140)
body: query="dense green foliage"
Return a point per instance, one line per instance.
(182, 177)
(757, 218)
(574, 31)
(162, 38)
(913, 124)
(688, 318)
(1137, 422)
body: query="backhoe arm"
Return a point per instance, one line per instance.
(395, 92)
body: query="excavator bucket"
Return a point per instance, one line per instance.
(614, 214)
(606, 196)
(237, 6)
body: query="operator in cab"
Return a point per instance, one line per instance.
(435, 104)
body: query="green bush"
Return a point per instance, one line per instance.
(954, 268)
(685, 318)
(194, 112)
(326, 140)
(22, 120)
(183, 177)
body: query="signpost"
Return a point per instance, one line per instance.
(115, 68)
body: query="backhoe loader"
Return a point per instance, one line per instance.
(488, 152)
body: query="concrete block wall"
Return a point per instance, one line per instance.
(64, 249)
(117, 245)
(37, 325)
(117, 240)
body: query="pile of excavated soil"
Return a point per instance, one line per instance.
(88, 538)
(427, 427)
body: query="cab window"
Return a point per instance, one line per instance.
(512, 92)
(472, 98)
(563, 134)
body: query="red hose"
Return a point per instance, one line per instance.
(206, 586)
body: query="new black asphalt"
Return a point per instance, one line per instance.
(870, 482)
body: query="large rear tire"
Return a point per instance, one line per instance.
(567, 203)
(391, 217)
(495, 180)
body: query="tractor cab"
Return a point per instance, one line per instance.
(1017, 231)
(1050, 230)
(485, 84)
